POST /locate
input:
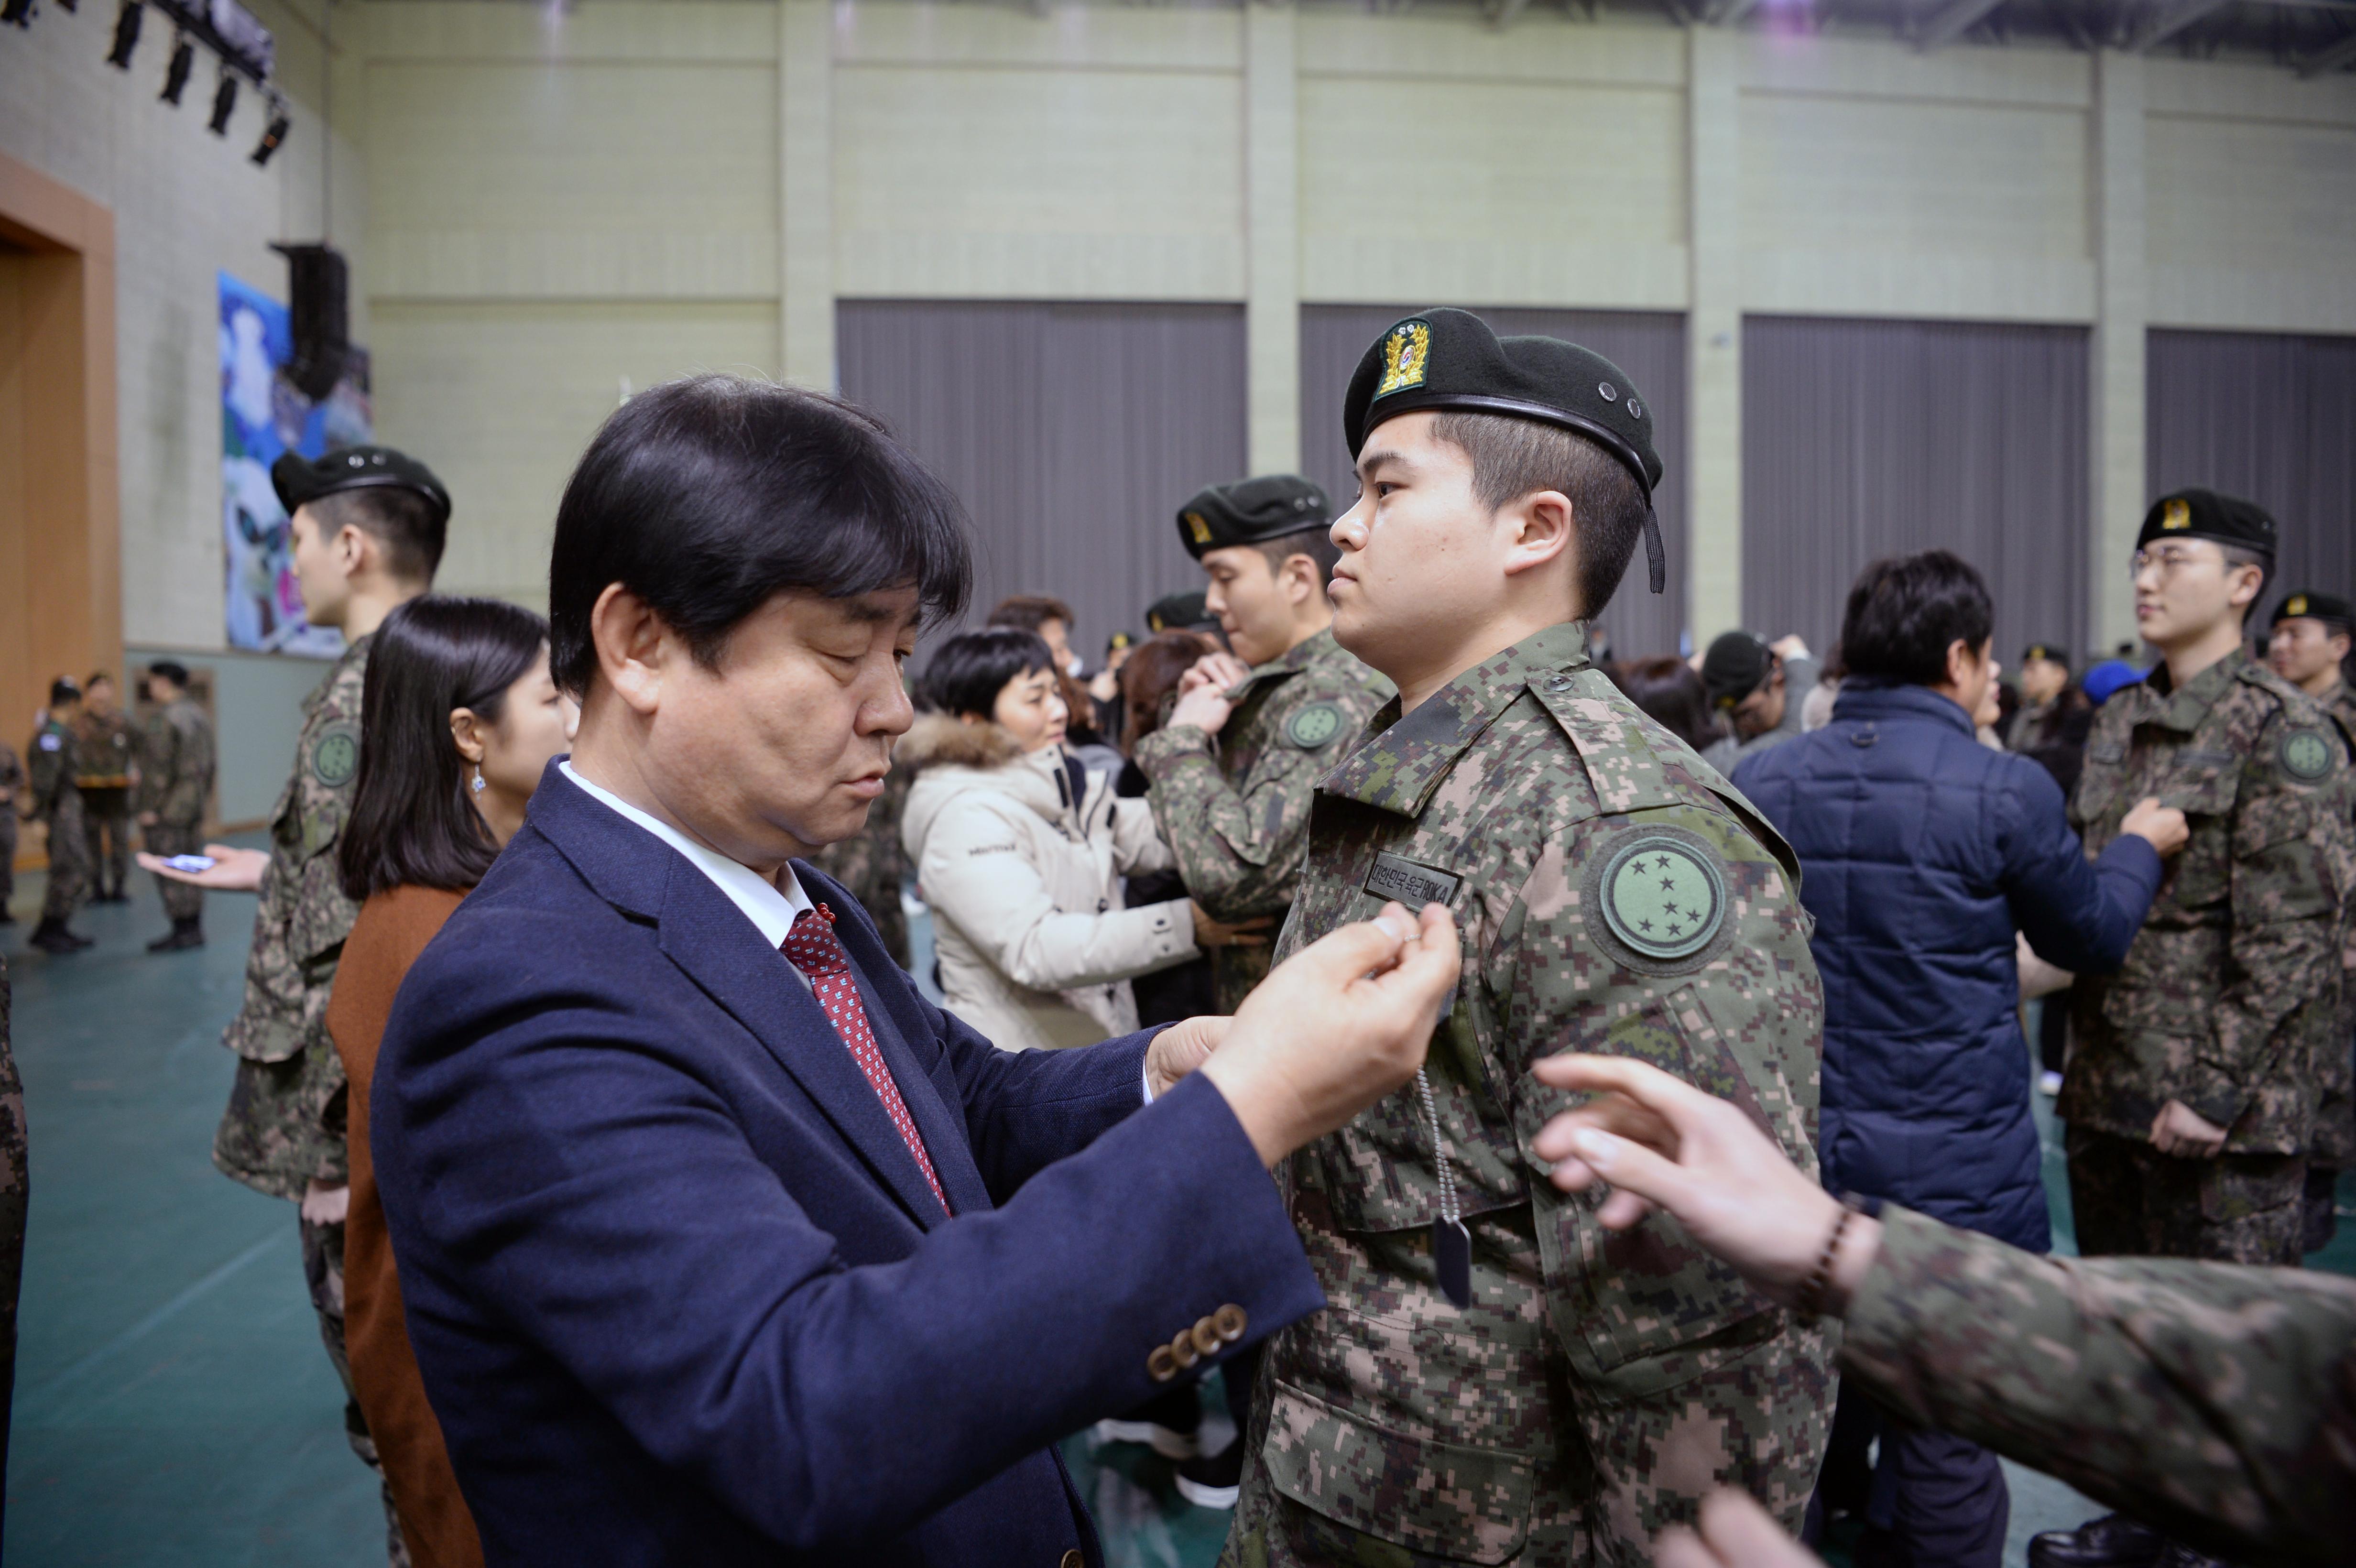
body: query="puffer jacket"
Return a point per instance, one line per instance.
(1921, 852)
(1035, 948)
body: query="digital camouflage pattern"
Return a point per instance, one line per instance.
(280, 1131)
(51, 762)
(106, 747)
(2215, 1403)
(1599, 1383)
(2129, 1200)
(1235, 809)
(2229, 999)
(175, 782)
(15, 1190)
(873, 865)
(2333, 1146)
(12, 787)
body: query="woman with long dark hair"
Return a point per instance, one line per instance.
(458, 722)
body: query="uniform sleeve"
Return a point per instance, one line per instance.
(2290, 861)
(1238, 850)
(975, 876)
(2215, 1402)
(2078, 915)
(1138, 846)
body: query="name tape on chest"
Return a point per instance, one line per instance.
(1412, 885)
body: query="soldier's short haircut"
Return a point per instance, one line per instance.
(409, 526)
(2242, 555)
(1516, 457)
(709, 496)
(1904, 612)
(172, 670)
(1316, 543)
(63, 691)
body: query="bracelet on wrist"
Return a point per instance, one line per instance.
(1811, 1300)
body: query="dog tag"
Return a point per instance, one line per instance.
(1451, 1251)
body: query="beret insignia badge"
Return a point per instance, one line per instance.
(2177, 514)
(2306, 755)
(1407, 356)
(1198, 528)
(1662, 895)
(2297, 605)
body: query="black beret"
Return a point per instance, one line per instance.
(1249, 511)
(2052, 652)
(1449, 358)
(2206, 515)
(1180, 613)
(300, 479)
(2327, 607)
(172, 670)
(1737, 664)
(65, 689)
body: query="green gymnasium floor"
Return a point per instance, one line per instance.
(173, 1404)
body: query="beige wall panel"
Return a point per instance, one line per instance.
(1932, 179)
(1099, 36)
(501, 398)
(1038, 184)
(543, 180)
(2251, 225)
(2218, 91)
(621, 30)
(1398, 203)
(1938, 286)
(2024, 76)
(1539, 47)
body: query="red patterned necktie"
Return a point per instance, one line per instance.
(815, 950)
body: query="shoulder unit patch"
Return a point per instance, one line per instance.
(1661, 895)
(336, 755)
(1316, 725)
(2307, 754)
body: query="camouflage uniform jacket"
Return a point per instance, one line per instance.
(2213, 1402)
(2334, 1145)
(108, 749)
(55, 760)
(175, 764)
(2230, 995)
(12, 778)
(1236, 811)
(276, 1134)
(1615, 895)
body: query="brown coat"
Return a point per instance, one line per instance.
(392, 930)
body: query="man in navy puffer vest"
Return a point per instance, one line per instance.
(1922, 851)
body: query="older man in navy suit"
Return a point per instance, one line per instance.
(720, 1244)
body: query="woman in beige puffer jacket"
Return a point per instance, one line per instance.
(1020, 853)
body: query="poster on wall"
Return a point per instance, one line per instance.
(262, 417)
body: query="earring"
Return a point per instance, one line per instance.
(478, 778)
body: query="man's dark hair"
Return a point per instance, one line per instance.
(1031, 611)
(63, 691)
(413, 821)
(1316, 543)
(409, 526)
(2241, 555)
(1903, 614)
(172, 670)
(98, 677)
(1516, 457)
(1667, 688)
(709, 496)
(968, 671)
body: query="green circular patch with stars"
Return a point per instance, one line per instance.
(2305, 754)
(336, 755)
(1314, 726)
(1663, 896)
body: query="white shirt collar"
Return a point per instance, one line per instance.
(769, 907)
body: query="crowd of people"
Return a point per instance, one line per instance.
(654, 1212)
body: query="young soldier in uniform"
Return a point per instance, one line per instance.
(176, 781)
(1499, 1378)
(12, 784)
(368, 524)
(55, 760)
(2192, 1090)
(106, 747)
(1234, 769)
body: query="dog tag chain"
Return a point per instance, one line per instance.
(1451, 1243)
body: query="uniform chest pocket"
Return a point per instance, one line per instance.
(1442, 1499)
(2203, 785)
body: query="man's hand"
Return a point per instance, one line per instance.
(2181, 1130)
(1736, 1533)
(2162, 826)
(1203, 692)
(146, 819)
(1210, 934)
(1181, 1048)
(1335, 1027)
(326, 1205)
(233, 871)
(1662, 1142)
(1788, 647)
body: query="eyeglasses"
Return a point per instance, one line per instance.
(2166, 560)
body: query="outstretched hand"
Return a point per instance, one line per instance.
(233, 871)
(1735, 1533)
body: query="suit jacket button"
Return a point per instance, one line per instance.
(1205, 1336)
(1230, 1321)
(1162, 1365)
(1072, 1560)
(1183, 1349)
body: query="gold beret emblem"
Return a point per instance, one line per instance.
(2297, 605)
(1407, 358)
(2177, 514)
(1198, 528)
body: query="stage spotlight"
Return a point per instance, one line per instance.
(275, 134)
(224, 104)
(126, 33)
(175, 75)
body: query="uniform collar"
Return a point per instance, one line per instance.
(1404, 759)
(1309, 650)
(2186, 708)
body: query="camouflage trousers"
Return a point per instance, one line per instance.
(181, 902)
(323, 1271)
(106, 828)
(68, 860)
(2131, 1200)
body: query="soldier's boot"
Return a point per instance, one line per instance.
(2113, 1540)
(52, 937)
(186, 932)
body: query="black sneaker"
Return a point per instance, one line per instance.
(55, 940)
(2113, 1540)
(1213, 1482)
(184, 935)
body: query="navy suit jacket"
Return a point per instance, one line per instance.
(678, 1290)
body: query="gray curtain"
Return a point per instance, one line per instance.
(1865, 439)
(2266, 416)
(1073, 432)
(1651, 347)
